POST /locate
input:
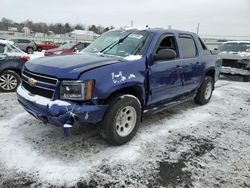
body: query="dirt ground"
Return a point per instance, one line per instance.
(185, 146)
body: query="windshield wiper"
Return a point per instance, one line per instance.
(112, 45)
(139, 47)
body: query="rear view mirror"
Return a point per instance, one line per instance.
(165, 54)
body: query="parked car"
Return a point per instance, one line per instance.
(119, 78)
(12, 60)
(236, 58)
(46, 45)
(67, 48)
(25, 45)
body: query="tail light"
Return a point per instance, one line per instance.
(25, 58)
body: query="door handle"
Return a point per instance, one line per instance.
(178, 67)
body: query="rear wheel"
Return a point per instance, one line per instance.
(121, 120)
(9, 81)
(205, 91)
(30, 50)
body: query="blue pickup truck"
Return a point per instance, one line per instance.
(121, 76)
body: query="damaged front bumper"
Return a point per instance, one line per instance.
(59, 112)
(234, 71)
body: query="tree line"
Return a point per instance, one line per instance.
(57, 28)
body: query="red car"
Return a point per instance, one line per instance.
(67, 48)
(46, 45)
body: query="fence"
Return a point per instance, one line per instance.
(53, 38)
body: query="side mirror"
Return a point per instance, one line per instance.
(165, 54)
(75, 49)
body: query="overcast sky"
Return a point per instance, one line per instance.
(216, 17)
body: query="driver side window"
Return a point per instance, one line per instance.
(168, 42)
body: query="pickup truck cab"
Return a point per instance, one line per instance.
(121, 76)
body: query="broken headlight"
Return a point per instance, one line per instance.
(76, 90)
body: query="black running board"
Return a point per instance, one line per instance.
(167, 105)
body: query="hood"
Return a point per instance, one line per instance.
(68, 66)
(235, 55)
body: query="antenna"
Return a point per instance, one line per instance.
(198, 28)
(132, 24)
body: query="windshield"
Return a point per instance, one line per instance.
(119, 43)
(66, 46)
(235, 47)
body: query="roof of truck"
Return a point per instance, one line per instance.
(161, 30)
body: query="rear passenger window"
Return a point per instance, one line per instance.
(23, 41)
(188, 47)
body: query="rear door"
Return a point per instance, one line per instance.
(190, 62)
(164, 77)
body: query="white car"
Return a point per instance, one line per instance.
(236, 58)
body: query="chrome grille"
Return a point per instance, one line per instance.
(44, 86)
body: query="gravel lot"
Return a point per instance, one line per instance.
(186, 146)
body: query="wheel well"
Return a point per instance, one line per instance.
(211, 73)
(135, 91)
(19, 72)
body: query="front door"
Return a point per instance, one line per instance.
(165, 75)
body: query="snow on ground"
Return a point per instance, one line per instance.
(186, 146)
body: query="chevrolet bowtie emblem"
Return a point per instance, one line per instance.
(32, 82)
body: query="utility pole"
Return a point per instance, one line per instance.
(132, 23)
(198, 28)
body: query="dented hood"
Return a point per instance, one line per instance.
(69, 66)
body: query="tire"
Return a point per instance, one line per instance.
(30, 50)
(39, 49)
(205, 91)
(9, 81)
(121, 120)
(246, 78)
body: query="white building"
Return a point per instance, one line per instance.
(83, 35)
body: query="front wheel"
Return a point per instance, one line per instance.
(205, 91)
(121, 120)
(9, 81)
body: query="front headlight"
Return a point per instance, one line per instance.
(77, 90)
